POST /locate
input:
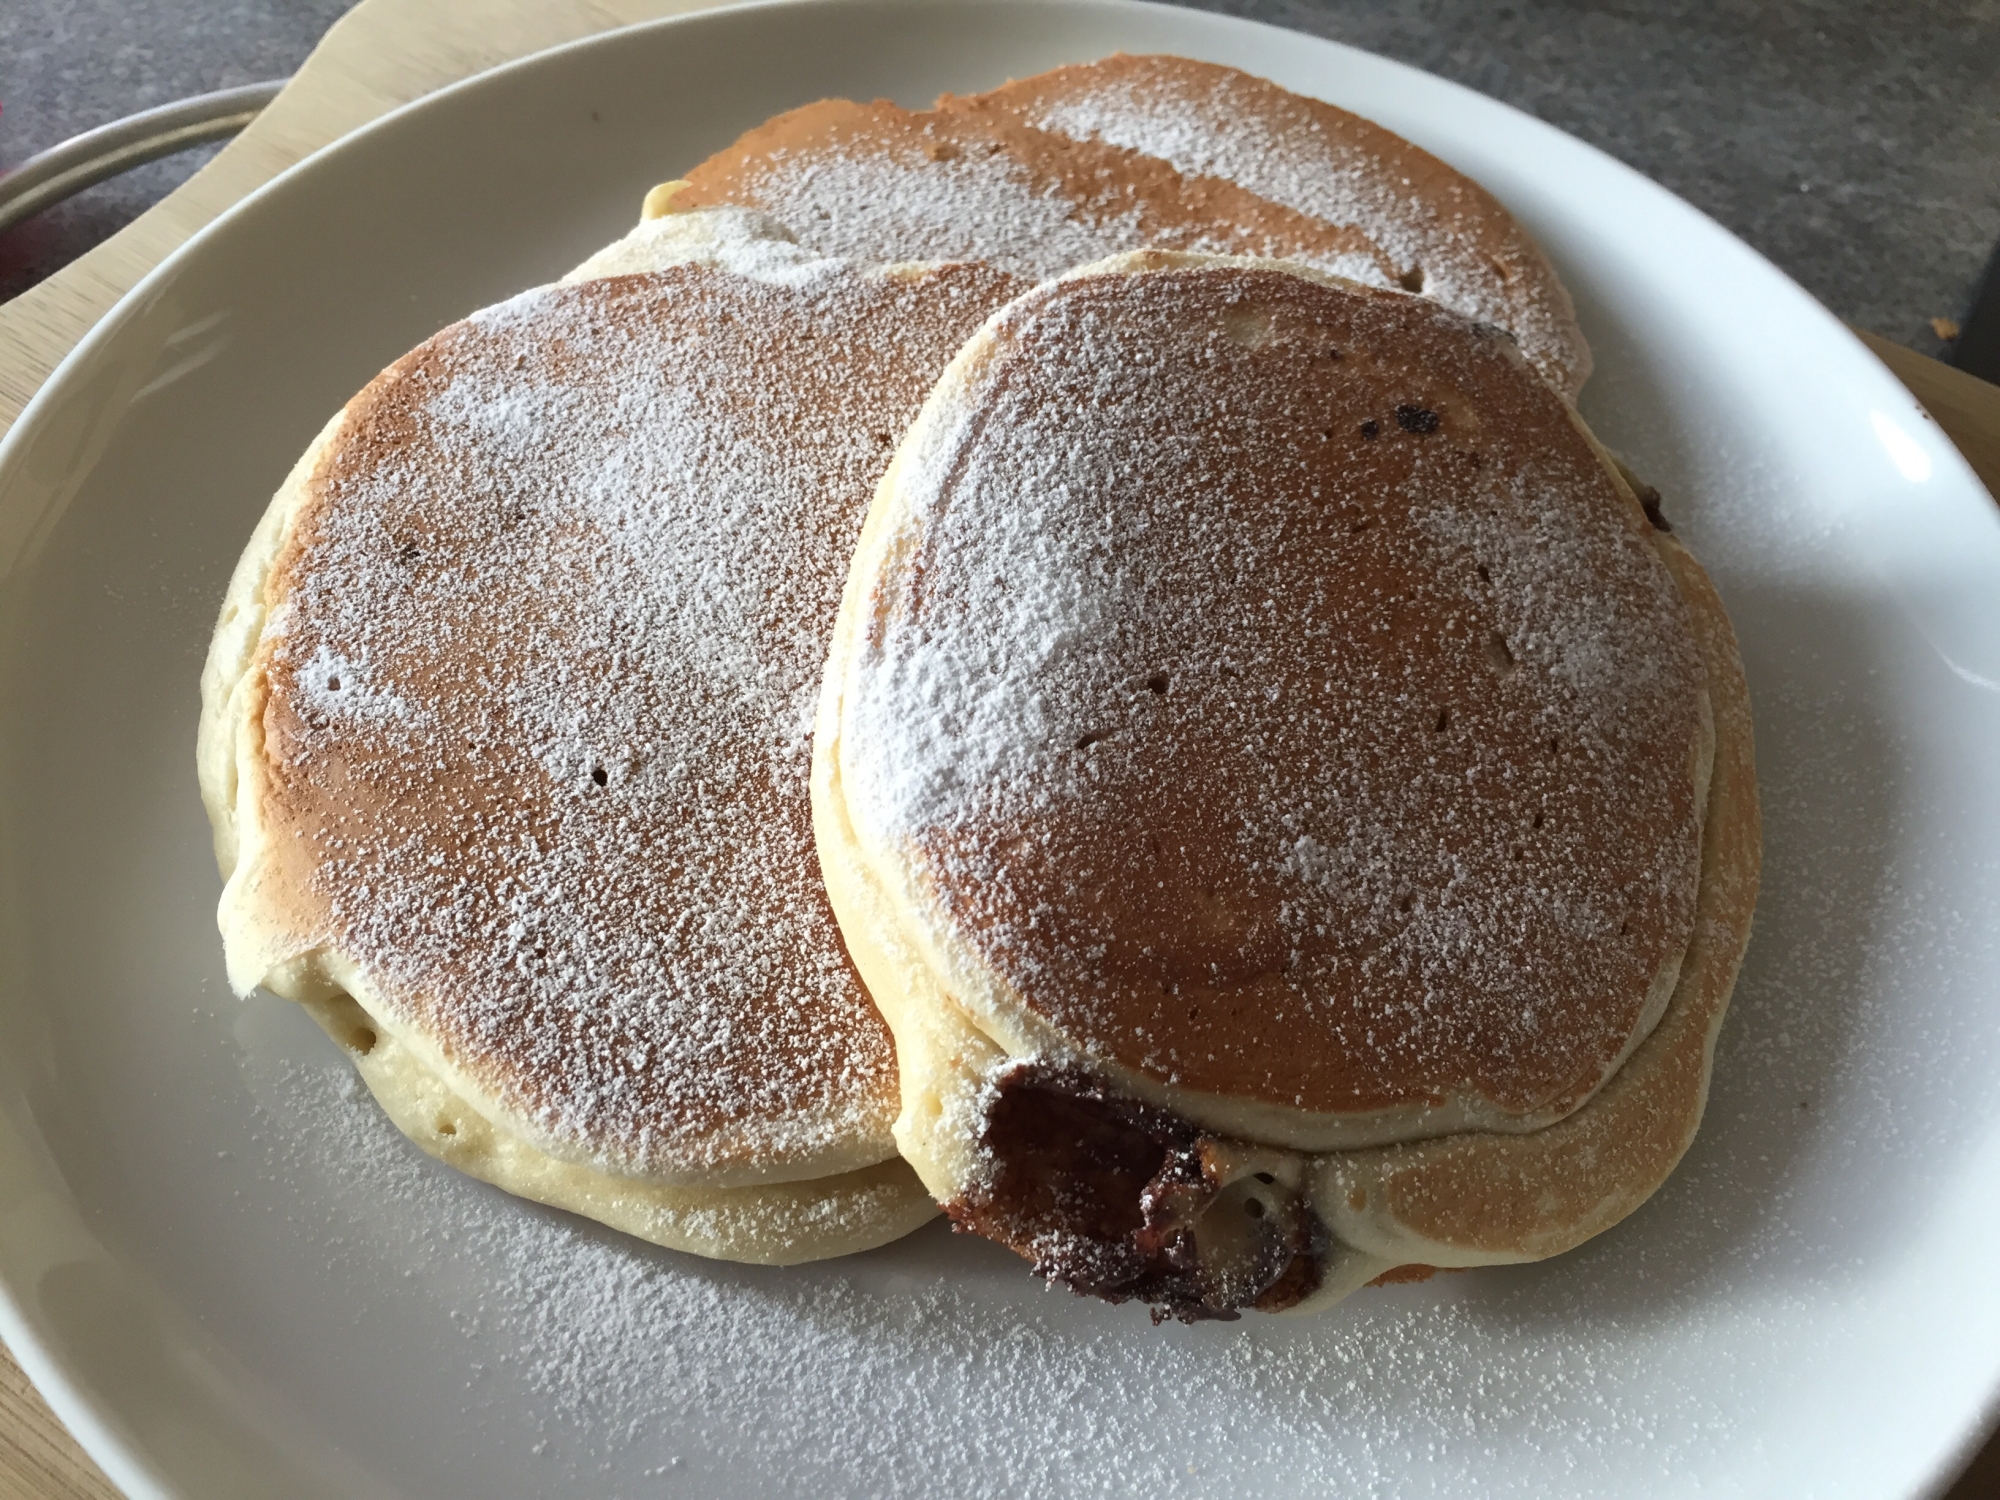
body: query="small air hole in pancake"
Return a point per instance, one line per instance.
(363, 1039)
(1555, 746)
(1333, 354)
(1539, 820)
(882, 439)
(1157, 683)
(1264, 1177)
(1412, 280)
(599, 775)
(1371, 428)
(1485, 576)
(1248, 326)
(1088, 740)
(1406, 903)
(1253, 1207)
(447, 1127)
(1443, 721)
(333, 684)
(1499, 655)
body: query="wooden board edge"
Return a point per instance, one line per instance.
(1966, 407)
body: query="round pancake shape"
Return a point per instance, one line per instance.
(1264, 729)
(506, 727)
(1133, 153)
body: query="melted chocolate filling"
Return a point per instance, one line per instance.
(1649, 501)
(1122, 1200)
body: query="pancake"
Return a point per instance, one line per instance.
(1441, 233)
(507, 721)
(1289, 798)
(1145, 152)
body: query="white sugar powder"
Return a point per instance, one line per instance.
(575, 581)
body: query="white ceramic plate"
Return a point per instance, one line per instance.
(233, 1278)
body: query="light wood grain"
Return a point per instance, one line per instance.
(382, 54)
(1966, 408)
(39, 1460)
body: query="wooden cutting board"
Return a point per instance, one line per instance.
(384, 53)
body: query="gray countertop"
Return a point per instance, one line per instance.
(1855, 144)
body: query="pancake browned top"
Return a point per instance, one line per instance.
(542, 660)
(877, 182)
(1273, 689)
(1440, 232)
(1146, 152)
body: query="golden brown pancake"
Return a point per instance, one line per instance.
(507, 728)
(1146, 152)
(1265, 777)
(1441, 233)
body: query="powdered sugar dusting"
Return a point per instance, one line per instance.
(1276, 662)
(878, 183)
(968, 208)
(1202, 133)
(573, 565)
(1213, 121)
(344, 690)
(598, 1365)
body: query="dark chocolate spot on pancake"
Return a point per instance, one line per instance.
(1649, 501)
(1118, 1199)
(1416, 418)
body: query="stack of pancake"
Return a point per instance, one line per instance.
(1066, 656)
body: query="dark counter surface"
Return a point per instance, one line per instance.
(1855, 144)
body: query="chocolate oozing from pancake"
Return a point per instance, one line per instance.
(1121, 1200)
(1146, 152)
(540, 677)
(1267, 763)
